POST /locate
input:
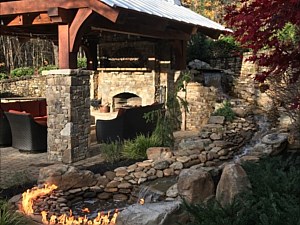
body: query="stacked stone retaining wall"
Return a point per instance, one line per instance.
(29, 86)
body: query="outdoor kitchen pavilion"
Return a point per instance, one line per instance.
(74, 23)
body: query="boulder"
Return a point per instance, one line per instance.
(161, 164)
(240, 111)
(192, 143)
(157, 153)
(161, 213)
(195, 185)
(66, 177)
(172, 192)
(216, 120)
(278, 141)
(233, 181)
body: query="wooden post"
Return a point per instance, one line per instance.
(63, 46)
(180, 54)
(92, 62)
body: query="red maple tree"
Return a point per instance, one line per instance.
(271, 29)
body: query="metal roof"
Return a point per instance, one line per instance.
(170, 9)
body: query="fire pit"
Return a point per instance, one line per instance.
(45, 201)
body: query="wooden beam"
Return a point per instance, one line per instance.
(32, 6)
(145, 27)
(79, 19)
(60, 15)
(144, 32)
(49, 32)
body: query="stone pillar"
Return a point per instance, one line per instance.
(68, 100)
(201, 101)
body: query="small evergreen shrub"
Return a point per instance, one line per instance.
(136, 149)
(225, 111)
(81, 62)
(48, 67)
(112, 152)
(3, 76)
(22, 71)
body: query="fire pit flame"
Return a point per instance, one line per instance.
(30, 195)
(86, 210)
(28, 202)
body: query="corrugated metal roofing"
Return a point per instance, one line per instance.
(166, 9)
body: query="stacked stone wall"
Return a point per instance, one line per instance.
(230, 63)
(30, 86)
(243, 73)
(244, 85)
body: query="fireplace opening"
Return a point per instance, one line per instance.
(126, 99)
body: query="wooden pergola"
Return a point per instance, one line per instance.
(72, 23)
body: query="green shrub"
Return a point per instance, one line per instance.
(225, 111)
(112, 152)
(8, 217)
(204, 48)
(81, 62)
(48, 67)
(22, 71)
(274, 198)
(3, 76)
(136, 149)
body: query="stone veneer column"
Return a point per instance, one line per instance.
(68, 100)
(201, 101)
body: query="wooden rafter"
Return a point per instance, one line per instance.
(167, 35)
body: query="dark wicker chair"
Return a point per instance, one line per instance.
(5, 132)
(128, 125)
(27, 135)
(108, 131)
(135, 123)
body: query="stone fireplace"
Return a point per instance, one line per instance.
(118, 87)
(126, 99)
(133, 71)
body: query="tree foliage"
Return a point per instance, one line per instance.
(204, 48)
(272, 25)
(212, 9)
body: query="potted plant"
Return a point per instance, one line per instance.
(96, 103)
(105, 108)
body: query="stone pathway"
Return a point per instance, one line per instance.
(18, 168)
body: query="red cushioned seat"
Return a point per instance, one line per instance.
(42, 120)
(18, 112)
